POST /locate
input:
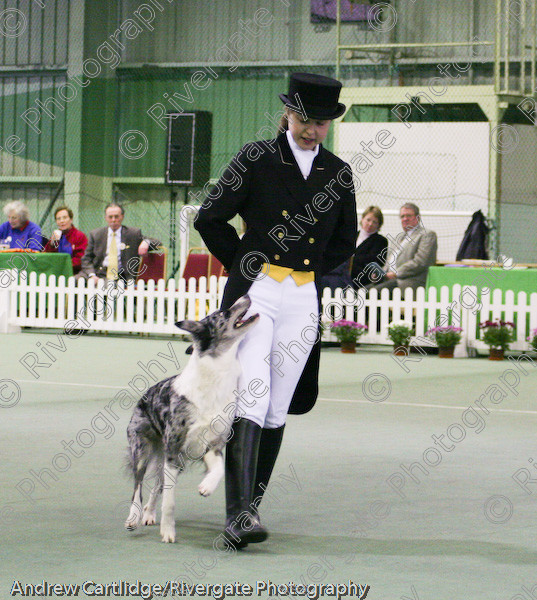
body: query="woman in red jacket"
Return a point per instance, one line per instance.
(67, 238)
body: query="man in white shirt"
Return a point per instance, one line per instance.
(114, 252)
(413, 253)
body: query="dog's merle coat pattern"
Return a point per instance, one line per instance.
(187, 417)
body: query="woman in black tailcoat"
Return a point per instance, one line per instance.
(297, 200)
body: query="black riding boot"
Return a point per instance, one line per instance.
(269, 447)
(242, 524)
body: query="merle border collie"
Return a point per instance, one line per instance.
(187, 417)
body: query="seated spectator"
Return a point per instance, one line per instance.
(363, 267)
(413, 253)
(371, 249)
(114, 252)
(18, 231)
(67, 238)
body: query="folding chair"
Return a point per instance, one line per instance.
(215, 266)
(197, 264)
(153, 265)
(201, 263)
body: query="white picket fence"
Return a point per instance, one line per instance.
(29, 301)
(79, 304)
(459, 306)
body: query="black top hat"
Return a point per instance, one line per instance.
(315, 95)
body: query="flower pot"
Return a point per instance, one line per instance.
(496, 354)
(348, 347)
(446, 352)
(400, 350)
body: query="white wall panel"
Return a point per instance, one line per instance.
(441, 167)
(518, 195)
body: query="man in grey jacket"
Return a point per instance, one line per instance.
(413, 253)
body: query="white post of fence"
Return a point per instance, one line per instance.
(4, 307)
(533, 312)
(8, 280)
(460, 319)
(471, 307)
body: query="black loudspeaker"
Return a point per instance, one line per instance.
(188, 151)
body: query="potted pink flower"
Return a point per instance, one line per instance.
(347, 334)
(446, 339)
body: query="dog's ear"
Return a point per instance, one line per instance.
(190, 326)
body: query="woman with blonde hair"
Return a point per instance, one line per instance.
(371, 249)
(364, 267)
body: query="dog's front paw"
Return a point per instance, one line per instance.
(168, 535)
(149, 517)
(204, 490)
(208, 485)
(131, 525)
(133, 520)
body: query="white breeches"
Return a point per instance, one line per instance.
(273, 354)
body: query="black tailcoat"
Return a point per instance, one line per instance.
(307, 225)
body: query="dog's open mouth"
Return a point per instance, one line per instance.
(241, 323)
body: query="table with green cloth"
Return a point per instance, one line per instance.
(50, 263)
(516, 279)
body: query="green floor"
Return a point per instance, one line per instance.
(464, 530)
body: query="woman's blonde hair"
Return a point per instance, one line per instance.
(376, 212)
(284, 123)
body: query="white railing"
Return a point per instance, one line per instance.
(29, 301)
(459, 306)
(79, 304)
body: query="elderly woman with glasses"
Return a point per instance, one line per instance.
(18, 232)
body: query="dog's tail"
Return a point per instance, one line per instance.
(128, 463)
(143, 452)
